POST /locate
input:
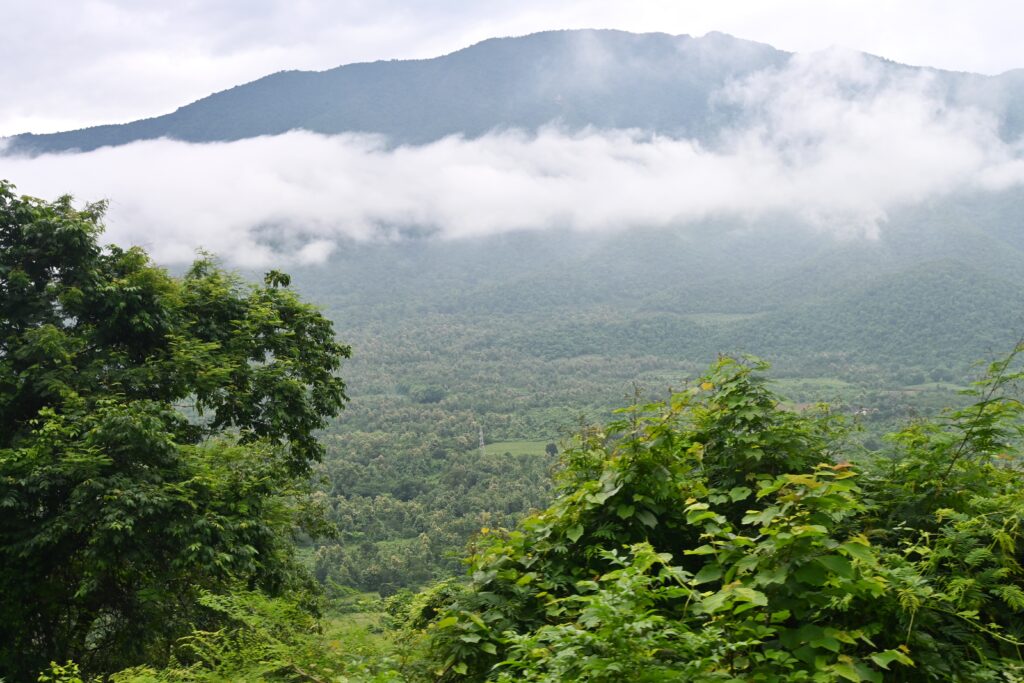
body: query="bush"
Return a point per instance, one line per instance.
(719, 537)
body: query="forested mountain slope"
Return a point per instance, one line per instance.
(527, 335)
(941, 280)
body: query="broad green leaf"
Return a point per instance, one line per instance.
(702, 550)
(887, 657)
(447, 622)
(750, 595)
(846, 671)
(836, 565)
(707, 573)
(812, 573)
(698, 516)
(647, 518)
(739, 493)
(858, 551)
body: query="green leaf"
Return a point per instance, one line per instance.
(739, 493)
(702, 550)
(858, 551)
(761, 517)
(846, 671)
(697, 516)
(601, 498)
(867, 673)
(827, 642)
(709, 572)
(574, 532)
(647, 518)
(750, 595)
(447, 622)
(715, 602)
(887, 657)
(746, 564)
(526, 578)
(812, 574)
(836, 565)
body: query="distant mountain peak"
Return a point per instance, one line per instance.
(589, 78)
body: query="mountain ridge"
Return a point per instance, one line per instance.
(601, 78)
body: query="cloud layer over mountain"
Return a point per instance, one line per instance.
(834, 140)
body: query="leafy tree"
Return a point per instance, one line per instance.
(720, 537)
(156, 434)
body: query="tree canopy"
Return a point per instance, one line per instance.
(720, 537)
(156, 434)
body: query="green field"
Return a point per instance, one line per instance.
(935, 386)
(517, 447)
(824, 384)
(712, 318)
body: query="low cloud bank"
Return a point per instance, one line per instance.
(834, 140)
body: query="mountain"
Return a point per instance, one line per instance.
(947, 270)
(598, 78)
(607, 79)
(942, 284)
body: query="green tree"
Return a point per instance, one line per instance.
(720, 537)
(156, 436)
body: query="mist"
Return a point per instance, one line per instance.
(831, 140)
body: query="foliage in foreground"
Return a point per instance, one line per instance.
(265, 638)
(717, 537)
(714, 537)
(156, 434)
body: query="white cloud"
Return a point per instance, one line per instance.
(833, 141)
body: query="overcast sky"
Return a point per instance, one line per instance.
(70, 63)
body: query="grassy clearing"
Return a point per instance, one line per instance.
(719, 318)
(517, 447)
(934, 386)
(810, 384)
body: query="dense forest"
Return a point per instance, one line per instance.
(185, 499)
(531, 336)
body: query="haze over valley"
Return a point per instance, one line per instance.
(737, 196)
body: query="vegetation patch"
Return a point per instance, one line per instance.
(520, 447)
